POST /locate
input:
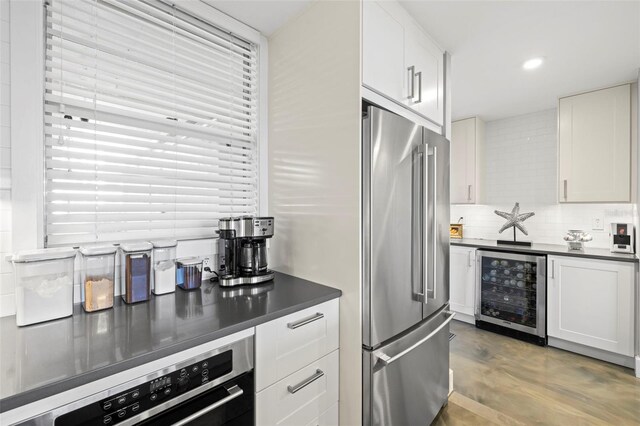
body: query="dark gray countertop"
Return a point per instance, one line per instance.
(41, 360)
(553, 249)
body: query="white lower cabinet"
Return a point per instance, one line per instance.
(462, 266)
(302, 397)
(328, 418)
(590, 302)
(297, 368)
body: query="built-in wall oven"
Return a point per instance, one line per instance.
(511, 294)
(213, 388)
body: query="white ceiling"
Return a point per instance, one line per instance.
(265, 16)
(586, 45)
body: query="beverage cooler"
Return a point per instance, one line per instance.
(511, 294)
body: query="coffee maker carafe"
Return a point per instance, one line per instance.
(242, 250)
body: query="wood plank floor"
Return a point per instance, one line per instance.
(503, 381)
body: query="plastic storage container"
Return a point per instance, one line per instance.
(164, 266)
(44, 284)
(189, 273)
(97, 277)
(135, 272)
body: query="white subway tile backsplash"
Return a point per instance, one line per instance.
(7, 304)
(7, 285)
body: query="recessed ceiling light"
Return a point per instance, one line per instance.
(532, 63)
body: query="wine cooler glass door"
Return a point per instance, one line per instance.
(511, 287)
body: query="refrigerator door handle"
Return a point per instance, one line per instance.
(385, 359)
(431, 292)
(422, 295)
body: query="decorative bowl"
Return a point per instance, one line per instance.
(576, 238)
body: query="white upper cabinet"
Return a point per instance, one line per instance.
(400, 61)
(383, 51)
(594, 146)
(467, 138)
(424, 73)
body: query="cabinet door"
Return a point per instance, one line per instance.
(462, 279)
(427, 61)
(590, 302)
(382, 52)
(594, 141)
(463, 161)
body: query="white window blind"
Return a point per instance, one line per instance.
(150, 123)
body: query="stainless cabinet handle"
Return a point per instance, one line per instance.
(553, 268)
(316, 317)
(469, 259)
(565, 189)
(411, 71)
(419, 74)
(234, 392)
(293, 389)
(468, 192)
(386, 359)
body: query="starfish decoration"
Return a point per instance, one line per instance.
(514, 219)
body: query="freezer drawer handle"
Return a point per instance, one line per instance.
(234, 392)
(386, 359)
(316, 317)
(293, 389)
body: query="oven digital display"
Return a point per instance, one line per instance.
(160, 383)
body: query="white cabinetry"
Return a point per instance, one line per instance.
(594, 146)
(400, 61)
(590, 302)
(462, 264)
(467, 145)
(297, 368)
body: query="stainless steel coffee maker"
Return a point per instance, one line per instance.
(242, 252)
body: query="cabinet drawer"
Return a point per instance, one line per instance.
(302, 397)
(331, 417)
(289, 343)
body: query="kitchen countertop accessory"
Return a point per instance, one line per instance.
(164, 266)
(135, 271)
(189, 273)
(576, 238)
(44, 284)
(97, 276)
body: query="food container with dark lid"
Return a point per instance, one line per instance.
(135, 271)
(189, 273)
(44, 284)
(97, 277)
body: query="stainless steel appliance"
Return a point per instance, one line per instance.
(622, 238)
(405, 324)
(243, 250)
(212, 388)
(511, 294)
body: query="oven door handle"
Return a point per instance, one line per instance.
(234, 392)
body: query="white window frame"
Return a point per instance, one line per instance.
(27, 113)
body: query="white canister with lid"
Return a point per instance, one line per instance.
(164, 266)
(44, 284)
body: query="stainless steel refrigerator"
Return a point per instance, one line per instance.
(405, 324)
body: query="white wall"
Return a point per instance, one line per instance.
(521, 165)
(6, 275)
(314, 167)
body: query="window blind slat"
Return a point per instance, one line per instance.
(150, 123)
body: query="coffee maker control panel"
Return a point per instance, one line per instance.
(263, 227)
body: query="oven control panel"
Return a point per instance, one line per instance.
(131, 402)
